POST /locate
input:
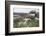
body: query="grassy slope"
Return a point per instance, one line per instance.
(26, 23)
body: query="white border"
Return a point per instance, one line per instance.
(26, 28)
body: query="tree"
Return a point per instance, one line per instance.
(37, 14)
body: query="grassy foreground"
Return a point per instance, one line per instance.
(25, 22)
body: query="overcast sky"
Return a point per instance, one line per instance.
(22, 10)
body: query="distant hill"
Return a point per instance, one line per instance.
(24, 15)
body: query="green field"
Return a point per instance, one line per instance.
(25, 22)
